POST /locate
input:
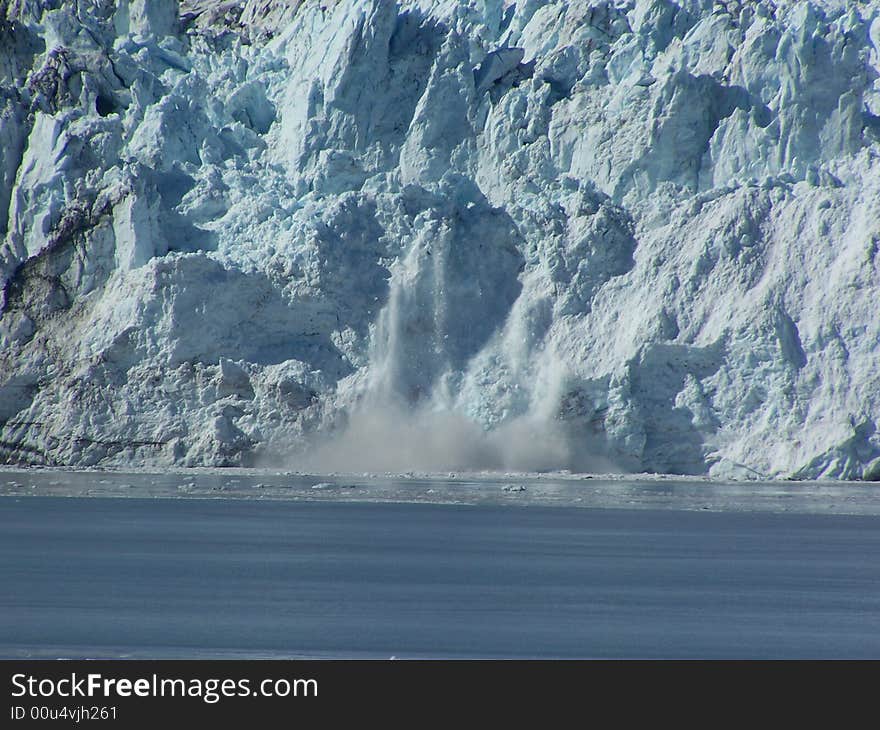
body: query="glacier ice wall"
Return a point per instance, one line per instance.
(567, 234)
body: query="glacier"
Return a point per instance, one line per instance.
(633, 235)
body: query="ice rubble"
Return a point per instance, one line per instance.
(647, 228)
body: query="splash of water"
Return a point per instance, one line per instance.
(408, 418)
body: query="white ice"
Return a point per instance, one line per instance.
(643, 234)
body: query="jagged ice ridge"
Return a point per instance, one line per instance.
(635, 234)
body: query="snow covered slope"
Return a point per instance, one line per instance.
(433, 233)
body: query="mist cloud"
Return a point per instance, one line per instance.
(392, 438)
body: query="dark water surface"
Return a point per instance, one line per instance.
(202, 578)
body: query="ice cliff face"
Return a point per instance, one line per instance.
(642, 229)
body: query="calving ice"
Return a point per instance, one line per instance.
(629, 234)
